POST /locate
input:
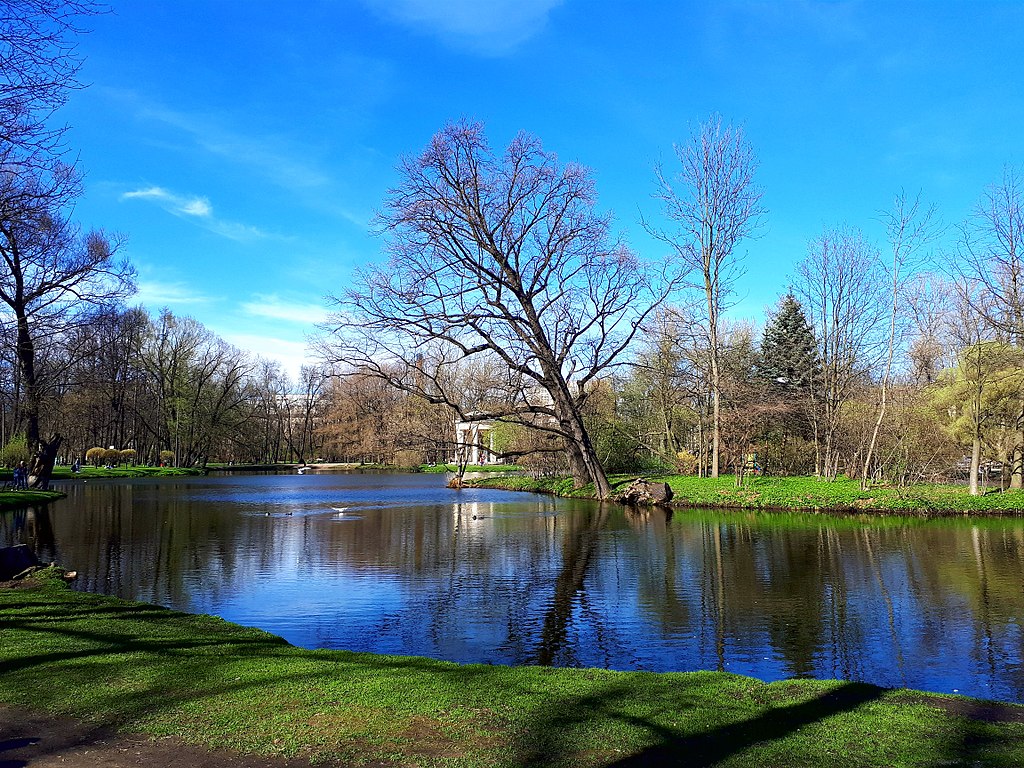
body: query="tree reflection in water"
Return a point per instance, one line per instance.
(496, 577)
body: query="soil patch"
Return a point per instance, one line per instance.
(32, 740)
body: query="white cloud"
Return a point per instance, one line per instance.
(176, 204)
(198, 209)
(291, 354)
(156, 294)
(274, 308)
(494, 27)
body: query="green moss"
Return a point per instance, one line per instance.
(140, 668)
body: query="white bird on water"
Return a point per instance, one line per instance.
(339, 510)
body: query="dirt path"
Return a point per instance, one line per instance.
(31, 740)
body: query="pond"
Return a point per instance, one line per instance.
(400, 564)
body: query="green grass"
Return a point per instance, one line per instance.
(438, 468)
(796, 493)
(87, 472)
(18, 499)
(140, 668)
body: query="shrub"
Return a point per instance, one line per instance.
(166, 458)
(127, 456)
(111, 457)
(94, 456)
(686, 463)
(409, 458)
(16, 450)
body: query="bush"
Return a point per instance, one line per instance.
(686, 463)
(127, 456)
(15, 451)
(166, 458)
(409, 458)
(94, 456)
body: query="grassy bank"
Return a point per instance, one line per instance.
(438, 468)
(796, 493)
(145, 669)
(18, 499)
(86, 472)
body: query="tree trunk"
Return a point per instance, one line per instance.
(975, 464)
(1017, 453)
(41, 469)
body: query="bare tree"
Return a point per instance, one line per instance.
(712, 203)
(909, 228)
(39, 67)
(990, 263)
(49, 273)
(500, 257)
(841, 287)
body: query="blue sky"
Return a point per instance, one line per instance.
(244, 146)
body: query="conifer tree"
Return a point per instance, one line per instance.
(789, 348)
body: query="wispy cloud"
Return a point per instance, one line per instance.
(275, 308)
(154, 293)
(489, 28)
(176, 204)
(198, 209)
(261, 154)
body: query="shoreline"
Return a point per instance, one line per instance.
(218, 685)
(806, 495)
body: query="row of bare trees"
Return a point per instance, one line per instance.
(163, 384)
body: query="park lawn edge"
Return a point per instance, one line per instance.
(798, 494)
(27, 498)
(139, 668)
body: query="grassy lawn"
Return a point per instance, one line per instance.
(140, 668)
(87, 472)
(806, 493)
(438, 468)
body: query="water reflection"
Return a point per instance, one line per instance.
(400, 564)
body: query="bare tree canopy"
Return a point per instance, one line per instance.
(712, 203)
(498, 257)
(38, 67)
(49, 274)
(841, 284)
(989, 265)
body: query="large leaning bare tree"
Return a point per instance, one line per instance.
(712, 203)
(498, 257)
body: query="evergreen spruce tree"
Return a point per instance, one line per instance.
(789, 348)
(790, 364)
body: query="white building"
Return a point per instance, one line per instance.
(474, 442)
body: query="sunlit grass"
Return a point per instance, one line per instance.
(87, 472)
(803, 493)
(140, 668)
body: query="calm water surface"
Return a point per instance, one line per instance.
(411, 567)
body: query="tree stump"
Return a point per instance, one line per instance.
(645, 493)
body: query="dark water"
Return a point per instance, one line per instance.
(411, 567)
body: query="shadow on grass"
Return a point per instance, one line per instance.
(674, 748)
